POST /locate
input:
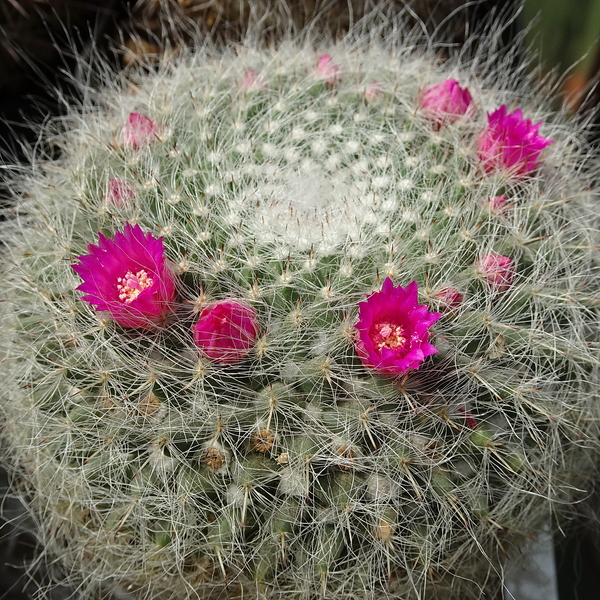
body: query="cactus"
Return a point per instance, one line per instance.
(311, 320)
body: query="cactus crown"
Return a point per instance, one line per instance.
(228, 430)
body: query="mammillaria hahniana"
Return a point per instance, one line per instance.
(223, 405)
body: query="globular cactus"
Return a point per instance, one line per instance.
(311, 320)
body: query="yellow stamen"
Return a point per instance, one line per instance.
(388, 335)
(131, 286)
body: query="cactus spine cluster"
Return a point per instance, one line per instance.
(299, 472)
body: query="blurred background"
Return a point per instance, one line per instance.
(565, 36)
(38, 42)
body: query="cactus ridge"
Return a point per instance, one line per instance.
(299, 472)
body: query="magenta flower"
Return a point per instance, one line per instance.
(139, 131)
(511, 143)
(450, 298)
(328, 70)
(392, 330)
(226, 331)
(446, 102)
(128, 277)
(119, 192)
(497, 270)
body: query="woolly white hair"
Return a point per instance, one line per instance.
(300, 472)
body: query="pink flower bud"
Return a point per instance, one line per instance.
(450, 298)
(119, 192)
(373, 91)
(252, 80)
(393, 330)
(510, 143)
(497, 204)
(249, 78)
(226, 331)
(128, 277)
(328, 70)
(139, 131)
(497, 270)
(470, 421)
(446, 102)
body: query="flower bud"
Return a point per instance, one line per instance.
(139, 131)
(450, 298)
(497, 270)
(328, 70)
(226, 331)
(119, 192)
(252, 80)
(446, 102)
(373, 91)
(496, 205)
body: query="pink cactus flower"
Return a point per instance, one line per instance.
(497, 270)
(328, 70)
(226, 331)
(511, 143)
(139, 131)
(128, 277)
(450, 298)
(446, 102)
(119, 192)
(392, 330)
(373, 91)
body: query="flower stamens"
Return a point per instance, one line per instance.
(131, 286)
(388, 335)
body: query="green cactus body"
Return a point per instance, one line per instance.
(299, 472)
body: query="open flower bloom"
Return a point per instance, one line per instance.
(511, 143)
(226, 331)
(497, 270)
(446, 102)
(328, 70)
(393, 330)
(139, 131)
(128, 277)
